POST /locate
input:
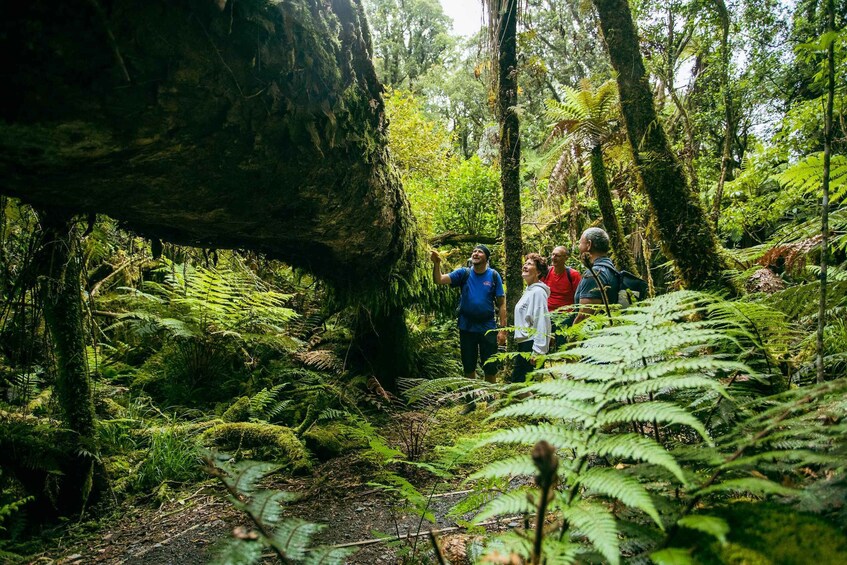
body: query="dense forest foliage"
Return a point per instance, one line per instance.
(706, 423)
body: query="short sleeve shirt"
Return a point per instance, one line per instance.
(476, 306)
(607, 274)
(562, 288)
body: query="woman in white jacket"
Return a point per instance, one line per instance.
(532, 321)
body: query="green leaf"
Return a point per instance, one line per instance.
(557, 436)
(514, 466)
(672, 556)
(596, 523)
(663, 412)
(510, 503)
(239, 552)
(638, 447)
(293, 536)
(753, 485)
(627, 489)
(714, 526)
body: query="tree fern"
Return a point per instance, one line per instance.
(807, 175)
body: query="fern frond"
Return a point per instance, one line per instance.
(328, 555)
(540, 407)
(669, 384)
(627, 489)
(511, 467)
(557, 436)
(293, 536)
(752, 485)
(509, 504)
(596, 523)
(711, 525)
(639, 448)
(656, 411)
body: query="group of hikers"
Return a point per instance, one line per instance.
(550, 287)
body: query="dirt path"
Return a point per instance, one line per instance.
(187, 531)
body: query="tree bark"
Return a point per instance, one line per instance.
(237, 124)
(729, 115)
(59, 265)
(686, 234)
(510, 150)
(260, 125)
(620, 249)
(827, 159)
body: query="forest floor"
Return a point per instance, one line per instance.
(189, 528)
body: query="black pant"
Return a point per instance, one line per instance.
(478, 345)
(522, 365)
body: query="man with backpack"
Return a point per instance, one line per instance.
(481, 295)
(594, 243)
(562, 281)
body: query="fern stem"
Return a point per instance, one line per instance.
(544, 456)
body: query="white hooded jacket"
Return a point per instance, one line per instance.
(532, 321)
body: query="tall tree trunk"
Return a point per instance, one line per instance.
(726, 152)
(510, 149)
(59, 268)
(620, 249)
(686, 234)
(827, 157)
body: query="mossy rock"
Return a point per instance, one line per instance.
(331, 440)
(239, 411)
(107, 408)
(766, 533)
(268, 441)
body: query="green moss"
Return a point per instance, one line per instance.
(764, 533)
(266, 440)
(239, 411)
(107, 408)
(332, 440)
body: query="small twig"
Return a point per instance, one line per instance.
(374, 541)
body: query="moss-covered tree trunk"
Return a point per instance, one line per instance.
(382, 339)
(620, 249)
(686, 233)
(510, 149)
(238, 124)
(58, 263)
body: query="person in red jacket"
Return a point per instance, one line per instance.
(562, 281)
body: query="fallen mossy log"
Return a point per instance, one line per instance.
(246, 124)
(277, 442)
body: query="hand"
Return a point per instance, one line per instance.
(501, 337)
(435, 257)
(533, 359)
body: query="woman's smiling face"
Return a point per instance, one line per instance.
(529, 272)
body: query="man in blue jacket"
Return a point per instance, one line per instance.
(482, 295)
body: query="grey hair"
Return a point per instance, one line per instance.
(599, 239)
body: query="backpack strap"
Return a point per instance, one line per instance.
(570, 280)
